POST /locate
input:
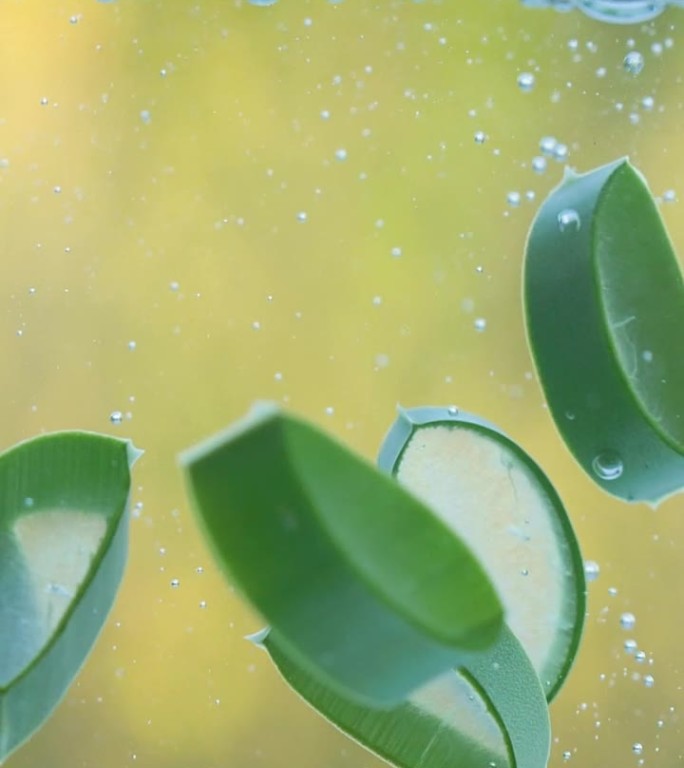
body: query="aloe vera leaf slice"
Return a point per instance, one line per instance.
(63, 547)
(490, 491)
(490, 712)
(355, 575)
(604, 301)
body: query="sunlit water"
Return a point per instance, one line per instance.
(326, 205)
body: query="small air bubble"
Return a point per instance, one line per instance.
(633, 63)
(547, 145)
(175, 583)
(302, 216)
(539, 164)
(592, 570)
(329, 411)
(116, 417)
(526, 81)
(146, 116)
(608, 465)
(341, 154)
(561, 152)
(452, 410)
(627, 620)
(649, 681)
(513, 198)
(569, 220)
(630, 646)
(669, 196)
(480, 137)
(480, 324)
(132, 345)
(396, 251)
(637, 748)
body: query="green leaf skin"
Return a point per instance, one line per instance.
(366, 589)
(605, 312)
(63, 544)
(490, 712)
(493, 495)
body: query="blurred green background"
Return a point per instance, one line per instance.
(209, 203)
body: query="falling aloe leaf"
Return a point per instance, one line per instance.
(366, 589)
(63, 541)
(605, 314)
(492, 711)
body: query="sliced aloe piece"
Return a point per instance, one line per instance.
(367, 590)
(498, 500)
(63, 542)
(492, 712)
(604, 301)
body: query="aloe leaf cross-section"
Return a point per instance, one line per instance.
(63, 546)
(366, 589)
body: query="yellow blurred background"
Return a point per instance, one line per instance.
(209, 203)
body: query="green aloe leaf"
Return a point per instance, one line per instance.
(367, 590)
(491, 493)
(63, 542)
(604, 301)
(490, 712)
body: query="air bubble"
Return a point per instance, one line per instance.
(608, 465)
(547, 145)
(302, 216)
(630, 646)
(627, 620)
(561, 152)
(592, 570)
(480, 137)
(539, 164)
(633, 63)
(526, 81)
(480, 324)
(513, 198)
(116, 417)
(569, 220)
(637, 748)
(175, 583)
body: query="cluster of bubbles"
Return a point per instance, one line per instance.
(613, 11)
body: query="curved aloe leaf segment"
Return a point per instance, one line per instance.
(63, 543)
(490, 712)
(367, 590)
(604, 301)
(493, 495)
